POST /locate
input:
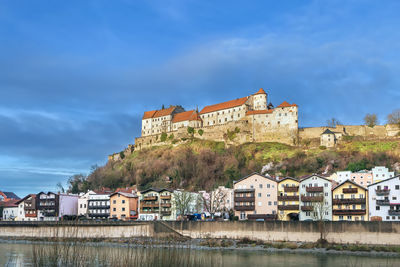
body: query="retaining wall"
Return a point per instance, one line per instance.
(379, 233)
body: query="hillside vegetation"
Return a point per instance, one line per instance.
(199, 165)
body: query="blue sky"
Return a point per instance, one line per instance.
(76, 76)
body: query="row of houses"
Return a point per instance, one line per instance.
(253, 197)
(316, 197)
(122, 204)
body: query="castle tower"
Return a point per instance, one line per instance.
(260, 100)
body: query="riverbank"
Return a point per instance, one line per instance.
(220, 244)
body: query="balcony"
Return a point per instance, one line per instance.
(350, 190)
(30, 215)
(349, 212)
(244, 190)
(382, 192)
(291, 189)
(288, 207)
(313, 189)
(340, 201)
(242, 208)
(99, 206)
(394, 212)
(165, 197)
(288, 198)
(166, 205)
(148, 211)
(150, 198)
(166, 212)
(149, 205)
(307, 208)
(383, 202)
(244, 199)
(312, 199)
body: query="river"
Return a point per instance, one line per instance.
(41, 255)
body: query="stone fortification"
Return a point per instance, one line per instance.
(246, 119)
(378, 131)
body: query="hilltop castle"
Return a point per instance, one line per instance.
(251, 116)
(246, 119)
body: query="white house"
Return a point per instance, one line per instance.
(315, 198)
(384, 200)
(83, 203)
(10, 210)
(381, 173)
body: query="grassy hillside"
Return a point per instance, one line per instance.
(200, 164)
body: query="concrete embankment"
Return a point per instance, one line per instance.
(379, 233)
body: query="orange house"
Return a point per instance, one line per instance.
(123, 206)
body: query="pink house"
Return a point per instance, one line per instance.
(362, 178)
(255, 197)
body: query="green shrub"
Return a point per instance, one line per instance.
(122, 155)
(322, 147)
(171, 137)
(164, 137)
(190, 130)
(347, 138)
(200, 131)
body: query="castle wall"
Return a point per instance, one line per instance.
(378, 131)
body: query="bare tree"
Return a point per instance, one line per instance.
(182, 202)
(394, 117)
(333, 122)
(319, 214)
(215, 202)
(371, 120)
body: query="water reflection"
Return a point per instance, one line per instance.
(46, 255)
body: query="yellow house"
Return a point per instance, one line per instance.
(350, 202)
(123, 206)
(288, 199)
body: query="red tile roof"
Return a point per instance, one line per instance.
(158, 113)
(261, 91)
(190, 115)
(10, 203)
(224, 105)
(164, 112)
(286, 104)
(149, 114)
(264, 111)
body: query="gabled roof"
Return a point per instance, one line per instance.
(398, 176)
(10, 204)
(149, 114)
(158, 190)
(164, 112)
(190, 115)
(309, 176)
(123, 194)
(285, 104)
(254, 173)
(158, 113)
(25, 198)
(350, 181)
(224, 105)
(288, 178)
(327, 131)
(264, 111)
(10, 195)
(261, 91)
